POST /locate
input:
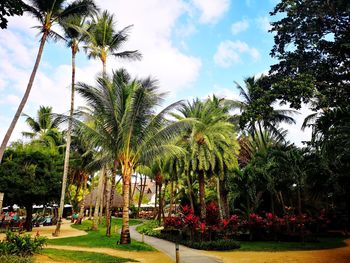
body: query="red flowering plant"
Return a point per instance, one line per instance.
(173, 222)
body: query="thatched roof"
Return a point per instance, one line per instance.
(92, 196)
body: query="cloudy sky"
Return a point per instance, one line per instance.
(193, 47)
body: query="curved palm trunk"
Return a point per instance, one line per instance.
(25, 96)
(98, 200)
(66, 158)
(125, 232)
(201, 181)
(103, 198)
(110, 201)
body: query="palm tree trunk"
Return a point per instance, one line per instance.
(125, 232)
(142, 190)
(82, 204)
(66, 158)
(171, 198)
(25, 97)
(98, 201)
(160, 206)
(90, 208)
(201, 182)
(134, 188)
(155, 202)
(111, 197)
(29, 212)
(190, 191)
(218, 190)
(103, 198)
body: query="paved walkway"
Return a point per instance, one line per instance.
(187, 255)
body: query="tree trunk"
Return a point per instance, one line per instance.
(142, 190)
(90, 208)
(103, 197)
(28, 224)
(201, 181)
(125, 232)
(224, 200)
(160, 206)
(171, 198)
(218, 190)
(66, 158)
(82, 204)
(134, 188)
(98, 200)
(155, 202)
(111, 197)
(25, 97)
(190, 191)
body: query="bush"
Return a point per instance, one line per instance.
(148, 227)
(15, 259)
(222, 244)
(15, 244)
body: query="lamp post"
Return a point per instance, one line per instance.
(177, 252)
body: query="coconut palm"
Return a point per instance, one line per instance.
(48, 13)
(127, 127)
(73, 36)
(44, 128)
(103, 40)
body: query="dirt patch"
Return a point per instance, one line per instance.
(337, 255)
(46, 231)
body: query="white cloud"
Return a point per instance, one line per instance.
(263, 23)
(239, 26)
(155, 22)
(229, 53)
(211, 10)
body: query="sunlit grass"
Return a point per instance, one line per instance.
(99, 238)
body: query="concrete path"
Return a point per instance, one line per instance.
(187, 255)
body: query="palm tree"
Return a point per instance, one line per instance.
(267, 118)
(103, 40)
(211, 142)
(72, 36)
(44, 128)
(127, 127)
(48, 13)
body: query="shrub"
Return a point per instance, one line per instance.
(15, 259)
(222, 244)
(148, 227)
(15, 244)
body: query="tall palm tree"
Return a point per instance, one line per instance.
(73, 36)
(103, 40)
(211, 142)
(127, 127)
(44, 128)
(48, 13)
(251, 94)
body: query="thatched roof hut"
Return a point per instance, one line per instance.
(90, 199)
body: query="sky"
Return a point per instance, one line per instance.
(194, 48)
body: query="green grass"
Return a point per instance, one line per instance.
(99, 239)
(82, 256)
(147, 228)
(324, 243)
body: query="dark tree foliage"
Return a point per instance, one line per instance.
(30, 175)
(312, 44)
(9, 8)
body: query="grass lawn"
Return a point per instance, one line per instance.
(324, 243)
(99, 239)
(82, 256)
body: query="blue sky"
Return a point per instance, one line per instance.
(194, 48)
